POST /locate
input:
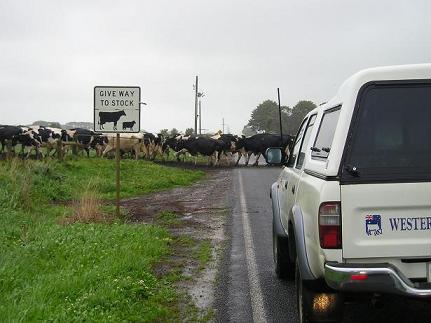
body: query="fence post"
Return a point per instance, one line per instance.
(74, 150)
(60, 150)
(8, 149)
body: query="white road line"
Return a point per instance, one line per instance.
(258, 308)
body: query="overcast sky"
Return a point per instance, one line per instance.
(52, 54)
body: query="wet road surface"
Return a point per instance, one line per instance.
(235, 297)
(247, 288)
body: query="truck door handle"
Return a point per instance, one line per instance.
(293, 189)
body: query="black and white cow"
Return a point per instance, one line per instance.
(81, 136)
(99, 143)
(148, 145)
(258, 144)
(9, 133)
(181, 145)
(154, 146)
(228, 144)
(67, 135)
(159, 146)
(49, 137)
(26, 128)
(84, 137)
(30, 140)
(172, 143)
(205, 146)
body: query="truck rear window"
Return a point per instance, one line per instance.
(391, 135)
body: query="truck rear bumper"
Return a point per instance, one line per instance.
(377, 278)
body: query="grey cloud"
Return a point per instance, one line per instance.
(52, 53)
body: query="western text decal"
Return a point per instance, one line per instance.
(410, 224)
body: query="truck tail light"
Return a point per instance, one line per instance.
(330, 225)
(360, 276)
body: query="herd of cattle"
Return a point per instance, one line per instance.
(146, 145)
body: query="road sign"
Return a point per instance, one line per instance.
(117, 109)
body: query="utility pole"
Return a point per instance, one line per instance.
(196, 106)
(200, 96)
(200, 118)
(223, 125)
(279, 114)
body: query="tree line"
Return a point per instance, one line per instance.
(265, 118)
(174, 131)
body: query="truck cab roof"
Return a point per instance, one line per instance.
(346, 99)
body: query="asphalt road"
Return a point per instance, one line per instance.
(247, 288)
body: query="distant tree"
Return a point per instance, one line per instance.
(265, 118)
(164, 132)
(248, 131)
(54, 125)
(189, 131)
(41, 123)
(298, 113)
(173, 132)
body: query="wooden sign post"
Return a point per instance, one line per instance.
(117, 176)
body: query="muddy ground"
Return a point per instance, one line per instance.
(200, 214)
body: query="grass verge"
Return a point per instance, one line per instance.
(85, 269)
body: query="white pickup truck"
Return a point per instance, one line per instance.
(352, 205)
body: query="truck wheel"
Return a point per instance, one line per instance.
(328, 309)
(284, 267)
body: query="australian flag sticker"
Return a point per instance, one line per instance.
(373, 224)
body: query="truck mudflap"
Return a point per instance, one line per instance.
(278, 226)
(376, 278)
(301, 249)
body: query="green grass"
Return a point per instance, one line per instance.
(64, 181)
(166, 218)
(203, 253)
(85, 272)
(82, 272)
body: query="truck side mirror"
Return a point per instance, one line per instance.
(274, 156)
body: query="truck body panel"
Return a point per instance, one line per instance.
(386, 220)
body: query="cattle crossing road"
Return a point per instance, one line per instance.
(247, 289)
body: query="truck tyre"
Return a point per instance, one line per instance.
(284, 267)
(305, 294)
